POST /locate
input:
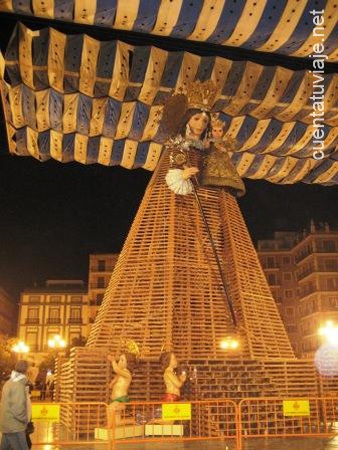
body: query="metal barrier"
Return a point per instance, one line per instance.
(84, 424)
(72, 423)
(187, 421)
(273, 417)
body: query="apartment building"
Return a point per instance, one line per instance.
(101, 267)
(59, 308)
(302, 271)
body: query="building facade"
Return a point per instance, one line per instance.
(60, 308)
(101, 267)
(302, 271)
(63, 307)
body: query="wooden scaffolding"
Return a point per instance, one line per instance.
(166, 290)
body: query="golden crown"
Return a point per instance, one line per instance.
(201, 95)
(215, 121)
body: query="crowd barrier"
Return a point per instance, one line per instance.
(79, 423)
(276, 418)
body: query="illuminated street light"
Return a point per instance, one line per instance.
(57, 342)
(20, 348)
(329, 332)
(230, 343)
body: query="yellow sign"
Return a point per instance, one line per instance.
(176, 411)
(46, 411)
(296, 407)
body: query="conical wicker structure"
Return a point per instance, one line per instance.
(166, 289)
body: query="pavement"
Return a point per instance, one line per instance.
(305, 443)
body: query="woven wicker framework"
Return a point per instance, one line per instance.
(166, 289)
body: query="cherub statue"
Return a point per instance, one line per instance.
(172, 381)
(123, 369)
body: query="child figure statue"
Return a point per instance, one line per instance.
(119, 385)
(173, 382)
(218, 170)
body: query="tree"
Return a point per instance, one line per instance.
(7, 357)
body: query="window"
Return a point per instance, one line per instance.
(54, 316)
(272, 279)
(288, 293)
(332, 284)
(101, 265)
(76, 299)
(33, 313)
(100, 282)
(32, 339)
(34, 299)
(287, 276)
(328, 246)
(270, 262)
(32, 316)
(286, 260)
(290, 311)
(333, 302)
(55, 299)
(75, 315)
(330, 265)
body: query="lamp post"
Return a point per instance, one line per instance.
(229, 343)
(21, 349)
(329, 332)
(57, 344)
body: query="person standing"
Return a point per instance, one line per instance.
(14, 412)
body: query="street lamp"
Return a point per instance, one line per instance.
(329, 332)
(229, 343)
(20, 348)
(57, 342)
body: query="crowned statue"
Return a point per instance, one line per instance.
(218, 169)
(199, 144)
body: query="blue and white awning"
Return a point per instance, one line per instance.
(279, 26)
(72, 97)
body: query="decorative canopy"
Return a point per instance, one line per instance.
(73, 97)
(281, 26)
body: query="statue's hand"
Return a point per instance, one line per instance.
(189, 172)
(207, 144)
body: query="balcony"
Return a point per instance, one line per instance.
(108, 269)
(98, 285)
(75, 321)
(53, 321)
(32, 321)
(320, 250)
(305, 273)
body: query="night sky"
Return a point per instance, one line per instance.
(54, 215)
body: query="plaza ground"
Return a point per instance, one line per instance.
(304, 443)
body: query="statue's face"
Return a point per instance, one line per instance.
(173, 361)
(122, 362)
(198, 124)
(217, 131)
